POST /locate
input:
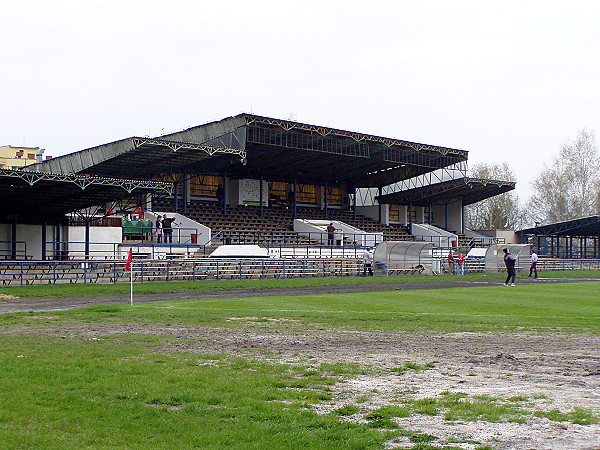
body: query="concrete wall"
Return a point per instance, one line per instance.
(373, 212)
(455, 217)
(437, 236)
(104, 242)
(510, 237)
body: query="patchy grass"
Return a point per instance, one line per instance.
(93, 290)
(581, 416)
(412, 366)
(564, 307)
(459, 407)
(121, 393)
(64, 384)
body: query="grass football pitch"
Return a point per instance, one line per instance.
(105, 377)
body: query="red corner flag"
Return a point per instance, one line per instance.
(129, 259)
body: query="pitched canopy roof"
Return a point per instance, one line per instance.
(587, 226)
(470, 190)
(32, 197)
(249, 146)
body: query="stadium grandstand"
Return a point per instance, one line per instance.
(246, 186)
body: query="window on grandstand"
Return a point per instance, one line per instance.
(413, 214)
(394, 213)
(278, 189)
(334, 195)
(204, 185)
(306, 193)
(428, 215)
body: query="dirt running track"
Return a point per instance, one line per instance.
(66, 303)
(553, 371)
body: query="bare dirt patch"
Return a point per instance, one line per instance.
(552, 371)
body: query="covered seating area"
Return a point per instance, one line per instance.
(579, 238)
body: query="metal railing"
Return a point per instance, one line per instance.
(20, 273)
(179, 235)
(76, 250)
(557, 264)
(287, 238)
(13, 250)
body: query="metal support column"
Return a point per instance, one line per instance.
(13, 238)
(87, 240)
(295, 185)
(57, 242)
(326, 213)
(446, 216)
(184, 186)
(44, 226)
(261, 210)
(354, 203)
(410, 222)
(545, 245)
(224, 193)
(462, 217)
(175, 197)
(379, 202)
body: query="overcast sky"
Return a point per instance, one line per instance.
(508, 81)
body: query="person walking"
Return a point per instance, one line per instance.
(509, 261)
(533, 266)
(450, 263)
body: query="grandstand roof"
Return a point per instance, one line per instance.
(470, 190)
(250, 146)
(587, 226)
(286, 150)
(33, 197)
(135, 157)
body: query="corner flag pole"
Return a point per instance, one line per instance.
(128, 267)
(131, 287)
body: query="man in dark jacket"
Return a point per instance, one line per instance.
(168, 229)
(509, 261)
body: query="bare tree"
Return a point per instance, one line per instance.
(570, 187)
(501, 212)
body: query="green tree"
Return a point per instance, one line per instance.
(501, 212)
(570, 187)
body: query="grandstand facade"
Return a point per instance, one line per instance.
(245, 179)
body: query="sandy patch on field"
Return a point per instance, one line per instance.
(553, 371)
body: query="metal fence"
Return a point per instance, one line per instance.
(13, 250)
(21, 273)
(551, 264)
